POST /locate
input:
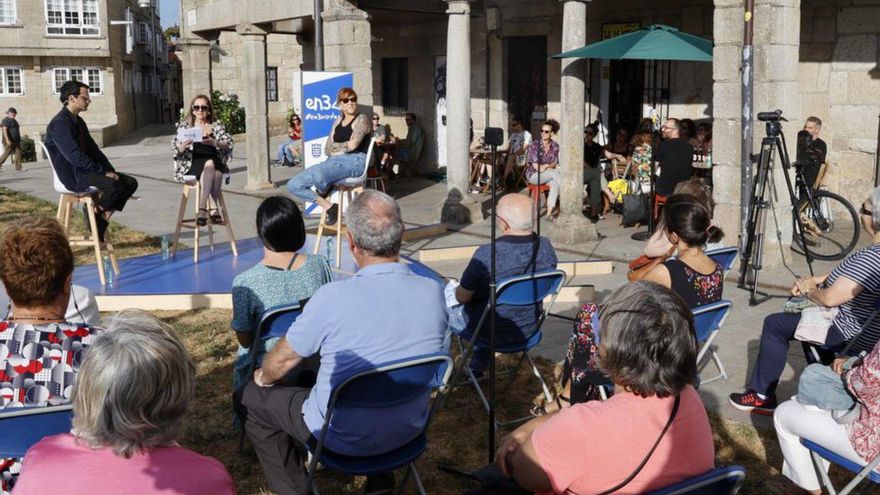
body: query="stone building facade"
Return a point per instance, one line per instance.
(812, 58)
(108, 44)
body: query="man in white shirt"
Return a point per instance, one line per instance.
(517, 145)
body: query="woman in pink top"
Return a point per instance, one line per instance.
(648, 348)
(129, 401)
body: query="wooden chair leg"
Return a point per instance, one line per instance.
(61, 209)
(66, 222)
(228, 223)
(210, 204)
(110, 251)
(339, 226)
(184, 198)
(196, 224)
(96, 242)
(321, 224)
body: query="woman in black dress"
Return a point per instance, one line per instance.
(208, 160)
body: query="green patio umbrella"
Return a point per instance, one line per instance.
(657, 42)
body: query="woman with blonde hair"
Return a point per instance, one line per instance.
(346, 149)
(129, 402)
(207, 160)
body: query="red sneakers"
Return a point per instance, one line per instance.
(749, 401)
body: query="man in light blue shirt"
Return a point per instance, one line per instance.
(383, 313)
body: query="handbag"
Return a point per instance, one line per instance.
(618, 187)
(635, 209)
(640, 266)
(814, 324)
(820, 386)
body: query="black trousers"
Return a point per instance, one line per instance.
(114, 193)
(278, 433)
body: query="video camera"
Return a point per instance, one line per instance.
(774, 116)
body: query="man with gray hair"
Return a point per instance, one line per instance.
(385, 312)
(518, 251)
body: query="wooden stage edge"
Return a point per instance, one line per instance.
(164, 302)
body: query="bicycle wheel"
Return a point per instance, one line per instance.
(831, 227)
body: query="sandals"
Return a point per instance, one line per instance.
(201, 221)
(539, 410)
(216, 218)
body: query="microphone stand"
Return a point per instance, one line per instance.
(492, 295)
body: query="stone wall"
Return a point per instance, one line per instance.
(839, 82)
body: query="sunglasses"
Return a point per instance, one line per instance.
(376, 119)
(347, 100)
(545, 131)
(203, 108)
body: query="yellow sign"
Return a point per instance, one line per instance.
(618, 28)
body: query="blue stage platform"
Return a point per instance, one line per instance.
(151, 283)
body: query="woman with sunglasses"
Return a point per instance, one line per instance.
(543, 164)
(853, 288)
(346, 149)
(207, 160)
(289, 152)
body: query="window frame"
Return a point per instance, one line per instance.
(56, 89)
(269, 90)
(14, 8)
(4, 89)
(64, 25)
(395, 100)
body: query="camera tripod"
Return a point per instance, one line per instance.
(825, 225)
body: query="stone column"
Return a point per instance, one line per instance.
(458, 95)
(572, 227)
(253, 45)
(347, 39)
(195, 61)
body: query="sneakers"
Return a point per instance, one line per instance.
(749, 401)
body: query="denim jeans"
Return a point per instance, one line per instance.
(323, 175)
(284, 151)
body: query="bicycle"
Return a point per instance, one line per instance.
(825, 225)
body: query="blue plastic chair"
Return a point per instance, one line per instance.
(22, 428)
(719, 481)
(519, 290)
(274, 322)
(818, 452)
(708, 320)
(724, 256)
(370, 392)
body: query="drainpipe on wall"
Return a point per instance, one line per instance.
(746, 117)
(319, 37)
(877, 156)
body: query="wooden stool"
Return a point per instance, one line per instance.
(347, 189)
(66, 202)
(192, 185)
(535, 191)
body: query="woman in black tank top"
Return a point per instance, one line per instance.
(692, 275)
(346, 149)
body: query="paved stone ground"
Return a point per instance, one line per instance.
(146, 155)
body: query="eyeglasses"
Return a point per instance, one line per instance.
(347, 100)
(200, 108)
(376, 118)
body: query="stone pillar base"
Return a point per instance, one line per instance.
(570, 229)
(259, 186)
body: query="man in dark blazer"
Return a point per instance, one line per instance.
(78, 161)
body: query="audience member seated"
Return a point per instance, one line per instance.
(519, 251)
(410, 149)
(207, 160)
(688, 130)
(649, 350)
(290, 150)
(858, 441)
(383, 313)
(134, 388)
(78, 161)
(36, 338)
(593, 174)
(853, 288)
(621, 145)
(543, 164)
(347, 152)
(659, 245)
(695, 277)
(517, 147)
(384, 143)
(674, 157)
(283, 277)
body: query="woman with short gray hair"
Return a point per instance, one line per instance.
(129, 401)
(653, 432)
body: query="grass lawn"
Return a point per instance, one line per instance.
(458, 436)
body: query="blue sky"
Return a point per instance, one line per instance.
(169, 9)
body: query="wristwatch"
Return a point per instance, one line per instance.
(259, 380)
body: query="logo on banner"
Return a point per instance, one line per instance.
(316, 150)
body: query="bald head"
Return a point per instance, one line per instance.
(516, 210)
(375, 224)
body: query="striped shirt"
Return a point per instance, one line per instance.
(863, 268)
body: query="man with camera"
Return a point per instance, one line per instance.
(811, 150)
